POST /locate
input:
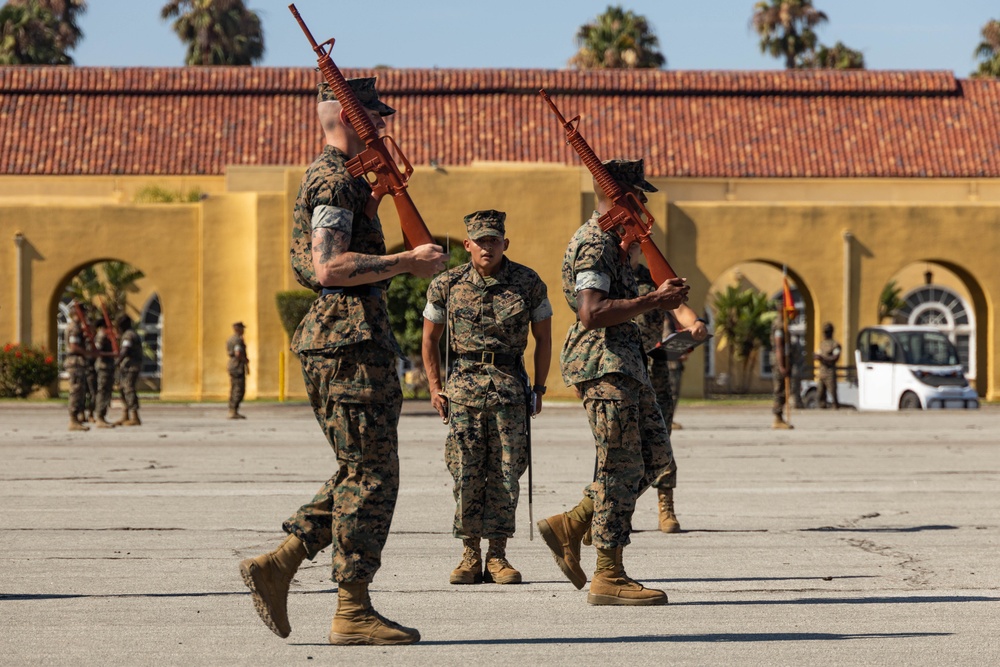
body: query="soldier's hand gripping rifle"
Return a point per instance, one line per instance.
(628, 218)
(375, 162)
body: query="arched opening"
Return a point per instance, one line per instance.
(730, 371)
(944, 296)
(103, 290)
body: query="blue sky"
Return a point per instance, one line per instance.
(694, 34)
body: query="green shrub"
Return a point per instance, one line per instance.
(23, 369)
(155, 194)
(293, 306)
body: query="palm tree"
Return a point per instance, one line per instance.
(110, 292)
(29, 36)
(217, 32)
(889, 301)
(618, 39)
(786, 27)
(988, 51)
(743, 319)
(66, 13)
(837, 56)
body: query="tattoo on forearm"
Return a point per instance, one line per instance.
(372, 264)
(329, 243)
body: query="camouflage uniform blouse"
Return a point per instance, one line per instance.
(491, 314)
(74, 336)
(130, 350)
(336, 320)
(236, 349)
(593, 261)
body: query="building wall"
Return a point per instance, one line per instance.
(223, 259)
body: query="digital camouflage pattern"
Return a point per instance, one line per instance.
(651, 328)
(105, 366)
(353, 510)
(130, 363)
(348, 356)
(363, 89)
(486, 454)
(487, 315)
(90, 401)
(486, 449)
(338, 319)
(633, 453)
(488, 222)
(631, 173)
(76, 368)
(236, 350)
(826, 377)
(777, 380)
(587, 355)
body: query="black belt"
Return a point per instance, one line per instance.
(492, 358)
(359, 290)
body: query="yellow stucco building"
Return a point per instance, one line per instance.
(849, 181)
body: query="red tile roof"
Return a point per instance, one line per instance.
(79, 120)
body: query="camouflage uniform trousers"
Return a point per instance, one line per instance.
(660, 376)
(356, 397)
(237, 388)
(778, 385)
(633, 453)
(486, 454)
(90, 403)
(826, 384)
(126, 385)
(105, 387)
(77, 389)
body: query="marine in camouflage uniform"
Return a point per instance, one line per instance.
(105, 367)
(779, 371)
(238, 366)
(603, 359)
(75, 363)
(348, 356)
(651, 328)
(488, 306)
(129, 365)
(828, 355)
(90, 402)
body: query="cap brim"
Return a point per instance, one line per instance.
(381, 107)
(646, 186)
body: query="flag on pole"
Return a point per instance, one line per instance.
(788, 311)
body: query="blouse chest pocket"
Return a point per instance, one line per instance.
(509, 308)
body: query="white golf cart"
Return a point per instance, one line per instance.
(909, 367)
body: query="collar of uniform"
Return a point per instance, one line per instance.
(336, 152)
(501, 277)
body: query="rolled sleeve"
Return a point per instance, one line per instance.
(542, 312)
(434, 313)
(332, 217)
(593, 280)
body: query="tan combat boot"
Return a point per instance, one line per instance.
(124, 418)
(563, 533)
(356, 622)
(674, 426)
(668, 520)
(611, 586)
(103, 423)
(76, 425)
(781, 424)
(470, 570)
(133, 419)
(232, 414)
(268, 577)
(498, 568)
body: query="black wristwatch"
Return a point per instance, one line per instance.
(539, 389)
(702, 320)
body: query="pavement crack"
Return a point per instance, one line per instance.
(919, 577)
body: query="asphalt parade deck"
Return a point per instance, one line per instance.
(854, 539)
